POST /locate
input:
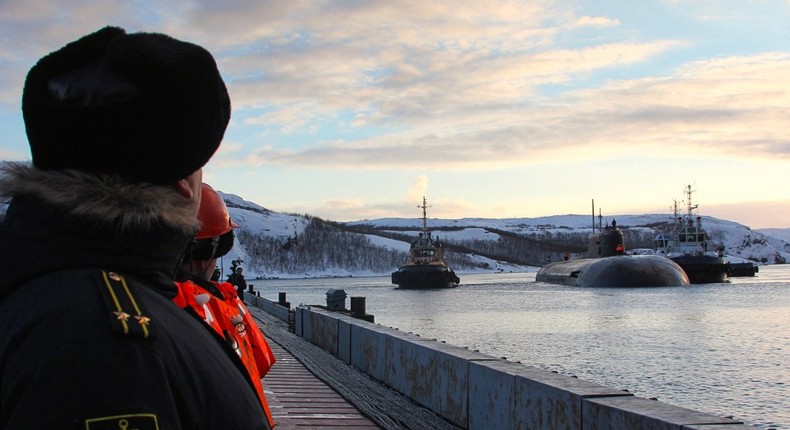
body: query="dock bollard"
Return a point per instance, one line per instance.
(358, 305)
(358, 309)
(281, 300)
(336, 300)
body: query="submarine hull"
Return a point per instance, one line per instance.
(622, 271)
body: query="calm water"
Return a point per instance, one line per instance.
(717, 348)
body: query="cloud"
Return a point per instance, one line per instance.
(352, 209)
(418, 190)
(433, 86)
(597, 21)
(289, 118)
(737, 105)
(384, 53)
(408, 206)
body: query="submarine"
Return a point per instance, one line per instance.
(607, 265)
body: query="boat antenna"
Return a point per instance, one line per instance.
(593, 215)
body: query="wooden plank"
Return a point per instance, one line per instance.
(299, 400)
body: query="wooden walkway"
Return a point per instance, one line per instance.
(307, 388)
(299, 400)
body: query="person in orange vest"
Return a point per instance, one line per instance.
(216, 303)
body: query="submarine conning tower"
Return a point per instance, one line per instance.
(606, 243)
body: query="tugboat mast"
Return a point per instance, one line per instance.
(688, 201)
(424, 206)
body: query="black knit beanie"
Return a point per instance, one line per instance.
(143, 106)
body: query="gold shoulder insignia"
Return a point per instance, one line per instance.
(127, 313)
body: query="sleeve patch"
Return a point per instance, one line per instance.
(123, 422)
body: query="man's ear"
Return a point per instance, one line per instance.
(183, 187)
(190, 186)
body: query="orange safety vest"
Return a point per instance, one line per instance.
(231, 319)
(264, 357)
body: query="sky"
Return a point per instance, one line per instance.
(352, 110)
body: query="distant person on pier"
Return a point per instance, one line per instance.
(120, 126)
(237, 280)
(217, 303)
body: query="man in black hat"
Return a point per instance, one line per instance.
(120, 126)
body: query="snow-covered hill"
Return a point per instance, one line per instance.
(776, 233)
(737, 239)
(740, 242)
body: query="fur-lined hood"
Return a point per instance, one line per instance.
(105, 200)
(68, 220)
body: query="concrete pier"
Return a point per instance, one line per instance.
(470, 390)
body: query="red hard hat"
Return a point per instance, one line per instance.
(213, 215)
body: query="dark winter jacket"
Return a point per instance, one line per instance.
(89, 335)
(238, 281)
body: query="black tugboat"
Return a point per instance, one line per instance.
(688, 247)
(425, 267)
(607, 265)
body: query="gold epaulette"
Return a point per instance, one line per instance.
(127, 313)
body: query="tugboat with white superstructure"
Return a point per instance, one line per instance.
(425, 266)
(688, 246)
